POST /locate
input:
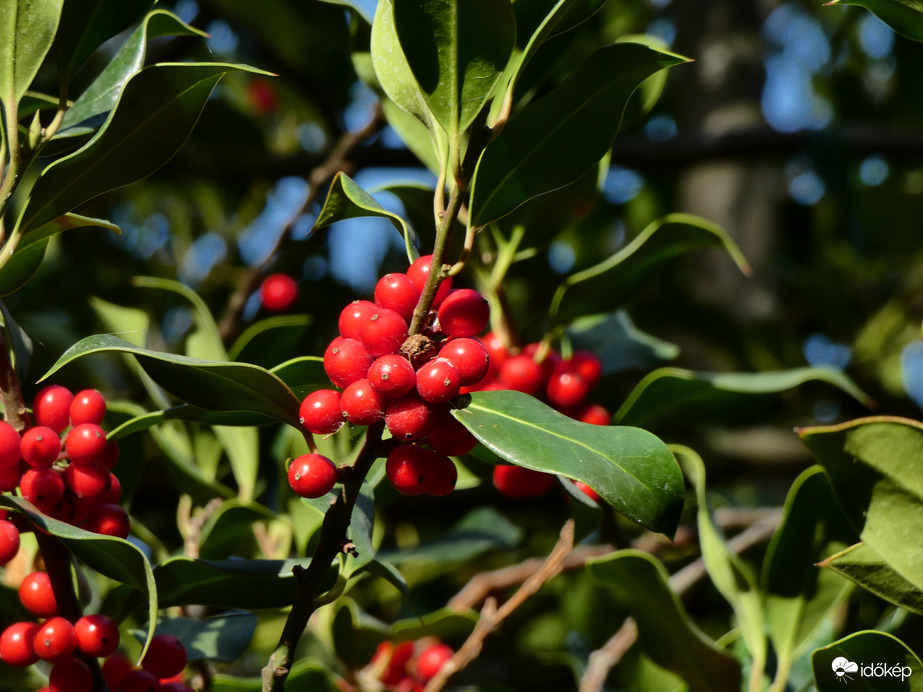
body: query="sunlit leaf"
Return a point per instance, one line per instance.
(860, 564)
(90, 24)
(27, 30)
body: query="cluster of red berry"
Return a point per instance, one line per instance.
(63, 465)
(58, 641)
(406, 381)
(408, 666)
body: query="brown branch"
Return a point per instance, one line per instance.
(15, 410)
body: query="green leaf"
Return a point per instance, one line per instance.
(615, 339)
(413, 133)
(872, 465)
(800, 597)
(862, 565)
(263, 342)
(904, 16)
(863, 649)
(216, 386)
(665, 630)
(228, 526)
(27, 30)
(29, 253)
(556, 139)
(456, 50)
(224, 638)
(155, 114)
(629, 467)
(20, 343)
(303, 375)
(346, 200)
(361, 525)
(672, 395)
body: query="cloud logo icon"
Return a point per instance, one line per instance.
(842, 666)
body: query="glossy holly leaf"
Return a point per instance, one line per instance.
(872, 466)
(29, 253)
(27, 30)
(665, 630)
(153, 117)
(229, 526)
(303, 375)
(904, 16)
(413, 133)
(224, 638)
(554, 140)
(860, 564)
(456, 50)
(799, 597)
(630, 468)
(360, 531)
(618, 342)
(89, 25)
(212, 385)
(862, 660)
(20, 343)
(671, 395)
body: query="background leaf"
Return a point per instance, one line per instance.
(904, 16)
(860, 564)
(223, 638)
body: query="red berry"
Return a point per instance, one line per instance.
(588, 491)
(70, 675)
(594, 414)
(407, 417)
(96, 635)
(361, 404)
(40, 446)
(383, 332)
(36, 594)
(392, 376)
(88, 406)
(419, 272)
(312, 475)
(85, 443)
(470, 357)
(262, 96)
(431, 660)
(51, 407)
(54, 639)
(113, 494)
(17, 644)
(278, 292)
(165, 656)
(10, 477)
(410, 469)
(89, 482)
(9, 445)
(399, 293)
(110, 454)
(522, 374)
(352, 316)
(320, 412)
(139, 681)
(519, 482)
(496, 350)
(43, 487)
(438, 381)
(447, 436)
(444, 475)
(9, 541)
(586, 364)
(345, 361)
(115, 668)
(108, 520)
(464, 312)
(566, 389)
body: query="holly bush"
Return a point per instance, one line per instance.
(388, 423)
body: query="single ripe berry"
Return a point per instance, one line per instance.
(40, 446)
(522, 374)
(464, 312)
(410, 469)
(361, 404)
(519, 482)
(96, 635)
(108, 520)
(444, 475)
(408, 417)
(51, 407)
(43, 487)
(352, 316)
(470, 358)
(115, 668)
(438, 381)
(320, 413)
(419, 272)
(9, 445)
(397, 292)
(346, 361)
(566, 389)
(17, 644)
(594, 414)
(447, 436)
(85, 443)
(88, 406)
(496, 350)
(588, 491)
(165, 656)
(312, 475)
(9, 541)
(70, 675)
(139, 681)
(36, 594)
(431, 660)
(383, 332)
(586, 364)
(278, 292)
(54, 639)
(89, 482)
(392, 376)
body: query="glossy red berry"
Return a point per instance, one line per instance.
(43, 487)
(115, 668)
(70, 675)
(392, 376)
(399, 293)
(278, 292)
(464, 312)
(139, 681)
(519, 482)
(408, 417)
(17, 644)
(9, 541)
(40, 446)
(419, 272)
(496, 350)
(54, 639)
(96, 635)
(166, 656)
(10, 476)
(438, 381)
(110, 455)
(346, 361)
(470, 358)
(410, 469)
(89, 482)
(566, 389)
(51, 407)
(85, 443)
(312, 475)
(36, 594)
(383, 332)
(361, 404)
(9, 445)
(447, 436)
(586, 364)
(431, 660)
(108, 520)
(88, 406)
(594, 414)
(352, 317)
(444, 475)
(522, 374)
(320, 413)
